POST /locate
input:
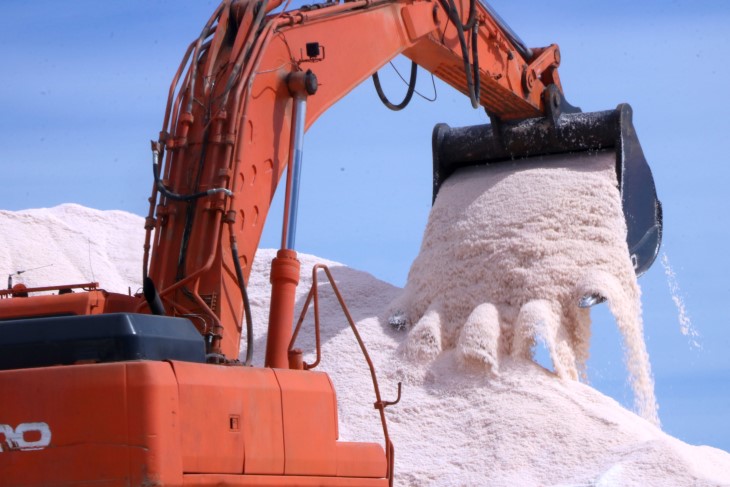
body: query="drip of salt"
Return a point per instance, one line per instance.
(686, 327)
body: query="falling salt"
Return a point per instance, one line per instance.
(685, 323)
(509, 252)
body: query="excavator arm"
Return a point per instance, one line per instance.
(232, 122)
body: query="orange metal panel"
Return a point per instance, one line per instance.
(276, 481)
(310, 422)
(360, 460)
(85, 303)
(232, 419)
(211, 404)
(153, 421)
(80, 419)
(77, 303)
(418, 19)
(262, 426)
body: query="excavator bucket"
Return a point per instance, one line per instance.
(565, 133)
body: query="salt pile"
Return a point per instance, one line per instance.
(453, 427)
(72, 245)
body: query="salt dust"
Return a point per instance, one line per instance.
(453, 427)
(509, 251)
(686, 327)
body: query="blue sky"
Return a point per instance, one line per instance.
(83, 86)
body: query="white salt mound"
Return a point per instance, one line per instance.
(72, 245)
(525, 427)
(508, 252)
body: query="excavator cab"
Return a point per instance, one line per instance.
(569, 132)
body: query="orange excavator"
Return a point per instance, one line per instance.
(104, 389)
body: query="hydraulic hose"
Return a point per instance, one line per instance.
(256, 26)
(471, 22)
(472, 76)
(165, 191)
(153, 297)
(475, 63)
(203, 35)
(409, 93)
(246, 301)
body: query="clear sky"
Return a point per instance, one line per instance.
(83, 86)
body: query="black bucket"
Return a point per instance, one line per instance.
(565, 133)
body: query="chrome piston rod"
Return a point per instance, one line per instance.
(300, 108)
(301, 84)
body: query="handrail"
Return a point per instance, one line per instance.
(295, 356)
(20, 291)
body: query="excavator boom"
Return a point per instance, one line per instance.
(251, 77)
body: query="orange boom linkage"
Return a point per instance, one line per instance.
(107, 389)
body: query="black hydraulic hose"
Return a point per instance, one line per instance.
(194, 66)
(168, 193)
(190, 215)
(409, 93)
(255, 29)
(152, 297)
(246, 305)
(472, 22)
(475, 62)
(184, 241)
(189, 198)
(450, 9)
